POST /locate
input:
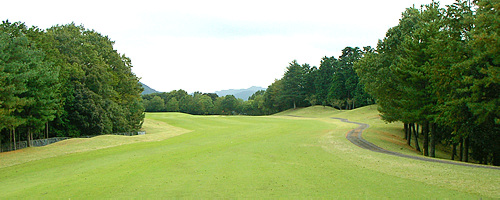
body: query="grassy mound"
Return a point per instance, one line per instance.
(156, 131)
(313, 111)
(281, 156)
(389, 136)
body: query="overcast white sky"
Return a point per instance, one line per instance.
(213, 45)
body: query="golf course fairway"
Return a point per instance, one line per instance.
(295, 154)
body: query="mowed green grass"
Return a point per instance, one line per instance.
(239, 157)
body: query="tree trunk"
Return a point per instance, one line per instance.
(418, 130)
(454, 151)
(409, 135)
(10, 139)
(496, 158)
(433, 131)
(406, 131)
(425, 132)
(14, 132)
(461, 147)
(294, 106)
(466, 149)
(417, 147)
(28, 138)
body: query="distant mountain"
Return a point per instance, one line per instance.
(147, 89)
(240, 93)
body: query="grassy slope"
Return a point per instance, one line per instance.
(388, 136)
(157, 131)
(234, 157)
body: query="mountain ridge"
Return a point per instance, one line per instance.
(240, 93)
(147, 89)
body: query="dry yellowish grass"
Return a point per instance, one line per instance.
(156, 131)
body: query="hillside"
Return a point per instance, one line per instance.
(147, 89)
(240, 93)
(389, 136)
(312, 111)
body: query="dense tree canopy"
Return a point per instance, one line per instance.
(65, 79)
(335, 83)
(438, 68)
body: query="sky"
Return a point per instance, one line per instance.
(215, 45)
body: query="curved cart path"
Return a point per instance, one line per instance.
(355, 137)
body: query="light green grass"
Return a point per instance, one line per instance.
(241, 157)
(386, 135)
(156, 131)
(389, 136)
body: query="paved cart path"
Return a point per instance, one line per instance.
(355, 137)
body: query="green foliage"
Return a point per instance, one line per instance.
(229, 104)
(66, 79)
(256, 94)
(439, 68)
(172, 105)
(14, 53)
(294, 84)
(156, 103)
(30, 82)
(273, 98)
(324, 79)
(335, 83)
(205, 104)
(99, 85)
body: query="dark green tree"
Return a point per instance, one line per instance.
(96, 81)
(324, 79)
(294, 84)
(33, 80)
(481, 81)
(172, 105)
(14, 54)
(229, 105)
(157, 104)
(254, 95)
(273, 101)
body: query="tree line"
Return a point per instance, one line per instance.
(334, 83)
(197, 103)
(64, 81)
(438, 69)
